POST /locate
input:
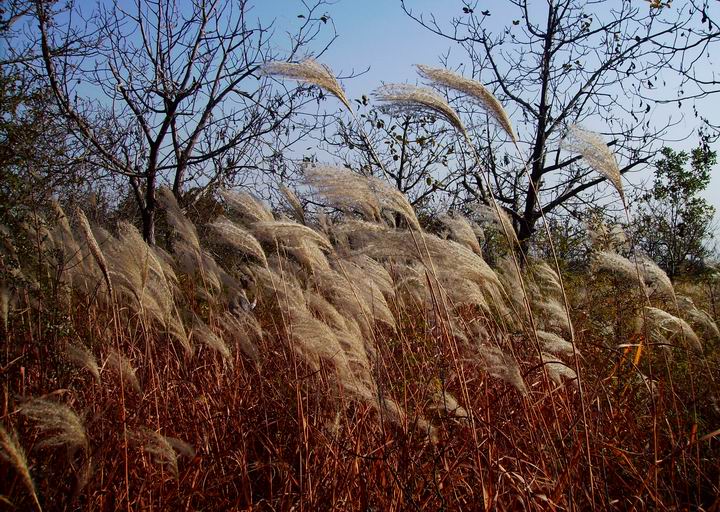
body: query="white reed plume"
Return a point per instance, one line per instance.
(499, 218)
(443, 401)
(655, 278)
(238, 238)
(162, 449)
(596, 153)
(554, 343)
(82, 357)
(311, 72)
(13, 454)
(246, 207)
(472, 88)
(502, 366)
(405, 98)
(557, 370)
(665, 328)
(94, 247)
(350, 192)
(699, 318)
(124, 369)
(462, 231)
(294, 201)
(58, 423)
(203, 334)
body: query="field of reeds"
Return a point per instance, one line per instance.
(351, 361)
(348, 358)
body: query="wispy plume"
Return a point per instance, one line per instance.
(14, 455)
(311, 72)
(472, 88)
(58, 423)
(596, 153)
(406, 98)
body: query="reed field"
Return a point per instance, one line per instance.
(351, 357)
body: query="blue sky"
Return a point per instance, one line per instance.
(377, 34)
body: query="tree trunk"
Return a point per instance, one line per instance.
(148, 225)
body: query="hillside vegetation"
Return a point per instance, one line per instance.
(350, 360)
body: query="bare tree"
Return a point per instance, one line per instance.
(419, 155)
(565, 62)
(164, 92)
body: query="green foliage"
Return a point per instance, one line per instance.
(674, 223)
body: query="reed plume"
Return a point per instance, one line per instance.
(311, 72)
(404, 98)
(596, 153)
(13, 454)
(123, 367)
(472, 88)
(246, 207)
(83, 358)
(59, 424)
(238, 238)
(94, 247)
(161, 448)
(666, 328)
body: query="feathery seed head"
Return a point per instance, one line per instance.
(596, 153)
(474, 90)
(59, 423)
(404, 98)
(311, 72)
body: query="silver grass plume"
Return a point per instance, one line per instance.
(122, 365)
(306, 245)
(498, 218)
(246, 207)
(461, 230)
(242, 328)
(665, 328)
(656, 278)
(160, 447)
(596, 153)
(446, 403)
(60, 425)
(554, 343)
(614, 264)
(83, 358)
(557, 370)
(350, 192)
(474, 90)
(202, 333)
(238, 238)
(502, 366)
(698, 317)
(94, 247)
(311, 72)
(410, 98)
(13, 454)
(294, 202)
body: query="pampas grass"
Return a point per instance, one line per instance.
(238, 238)
(59, 424)
(124, 369)
(596, 153)
(405, 98)
(474, 90)
(667, 328)
(13, 454)
(83, 358)
(311, 72)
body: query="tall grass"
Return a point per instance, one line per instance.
(357, 361)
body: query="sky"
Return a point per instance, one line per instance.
(378, 35)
